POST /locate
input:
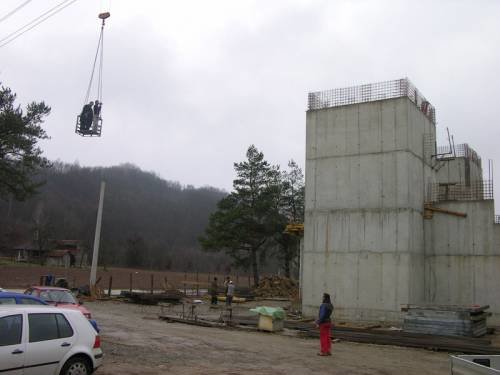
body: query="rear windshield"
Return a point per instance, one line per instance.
(57, 296)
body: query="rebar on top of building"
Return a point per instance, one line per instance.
(371, 92)
(477, 190)
(462, 150)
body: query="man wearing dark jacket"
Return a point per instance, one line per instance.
(325, 324)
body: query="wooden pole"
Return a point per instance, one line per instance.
(110, 285)
(130, 280)
(197, 285)
(152, 282)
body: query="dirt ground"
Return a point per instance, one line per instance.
(21, 276)
(135, 341)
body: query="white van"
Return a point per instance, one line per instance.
(43, 340)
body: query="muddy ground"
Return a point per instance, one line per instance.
(135, 341)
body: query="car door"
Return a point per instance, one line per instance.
(50, 337)
(12, 345)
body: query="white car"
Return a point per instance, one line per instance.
(43, 340)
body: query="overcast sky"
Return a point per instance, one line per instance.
(189, 85)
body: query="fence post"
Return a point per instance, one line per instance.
(197, 285)
(130, 280)
(110, 285)
(152, 282)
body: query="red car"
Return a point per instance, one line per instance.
(59, 297)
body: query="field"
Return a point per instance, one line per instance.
(21, 276)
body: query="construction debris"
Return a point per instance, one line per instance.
(277, 286)
(362, 335)
(172, 295)
(446, 320)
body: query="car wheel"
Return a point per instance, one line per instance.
(76, 366)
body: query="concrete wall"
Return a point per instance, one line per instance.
(459, 170)
(462, 260)
(496, 236)
(365, 184)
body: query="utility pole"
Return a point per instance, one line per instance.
(97, 238)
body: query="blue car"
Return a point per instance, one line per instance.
(12, 298)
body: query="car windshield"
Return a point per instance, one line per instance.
(57, 296)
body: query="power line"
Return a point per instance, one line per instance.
(33, 23)
(14, 10)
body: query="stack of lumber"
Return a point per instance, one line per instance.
(446, 320)
(277, 286)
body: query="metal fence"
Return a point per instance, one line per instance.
(369, 93)
(497, 219)
(478, 190)
(462, 150)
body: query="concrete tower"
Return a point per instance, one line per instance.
(366, 178)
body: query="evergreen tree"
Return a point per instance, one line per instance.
(245, 219)
(20, 156)
(292, 210)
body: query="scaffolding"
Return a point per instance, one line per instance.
(369, 93)
(477, 190)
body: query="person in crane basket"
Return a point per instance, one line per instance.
(97, 114)
(86, 117)
(90, 120)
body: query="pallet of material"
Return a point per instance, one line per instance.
(446, 320)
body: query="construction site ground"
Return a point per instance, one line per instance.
(135, 341)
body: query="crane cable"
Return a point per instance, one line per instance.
(15, 10)
(100, 48)
(33, 23)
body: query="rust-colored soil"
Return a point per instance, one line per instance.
(22, 276)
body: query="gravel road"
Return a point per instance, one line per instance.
(136, 342)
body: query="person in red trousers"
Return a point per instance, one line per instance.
(324, 323)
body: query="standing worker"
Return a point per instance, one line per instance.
(229, 293)
(213, 291)
(324, 323)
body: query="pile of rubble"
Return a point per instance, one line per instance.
(277, 286)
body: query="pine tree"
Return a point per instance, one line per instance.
(20, 156)
(245, 219)
(292, 211)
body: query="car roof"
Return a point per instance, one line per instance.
(48, 288)
(22, 295)
(16, 294)
(35, 309)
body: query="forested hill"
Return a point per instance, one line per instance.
(147, 221)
